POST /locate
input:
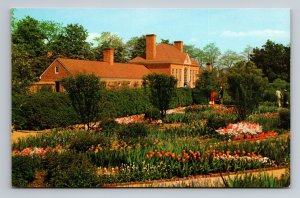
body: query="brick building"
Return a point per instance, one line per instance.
(160, 58)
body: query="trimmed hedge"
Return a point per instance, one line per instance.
(42, 111)
(52, 110)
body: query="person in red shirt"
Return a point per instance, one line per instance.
(213, 95)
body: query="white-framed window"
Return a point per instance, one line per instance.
(56, 70)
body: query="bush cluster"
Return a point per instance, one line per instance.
(42, 111)
(23, 170)
(53, 110)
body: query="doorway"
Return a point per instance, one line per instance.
(57, 86)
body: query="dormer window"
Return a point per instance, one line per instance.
(56, 70)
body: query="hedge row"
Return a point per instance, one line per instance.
(52, 110)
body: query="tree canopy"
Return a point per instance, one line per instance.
(273, 59)
(246, 85)
(162, 90)
(84, 93)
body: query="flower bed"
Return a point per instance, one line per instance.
(211, 155)
(256, 136)
(35, 151)
(240, 128)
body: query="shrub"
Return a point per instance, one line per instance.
(152, 113)
(268, 121)
(123, 102)
(23, 169)
(285, 118)
(52, 110)
(162, 89)
(71, 170)
(83, 141)
(245, 86)
(183, 97)
(42, 111)
(109, 126)
(135, 130)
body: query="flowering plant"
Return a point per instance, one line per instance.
(33, 151)
(240, 128)
(256, 136)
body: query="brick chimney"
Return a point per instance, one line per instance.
(208, 67)
(108, 55)
(179, 45)
(150, 46)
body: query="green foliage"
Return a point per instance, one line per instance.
(152, 113)
(194, 52)
(84, 93)
(109, 40)
(123, 102)
(71, 170)
(204, 86)
(42, 111)
(245, 86)
(268, 122)
(257, 181)
(131, 131)
(162, 89)
(274, 60)
(23, 170)
(83, 141)
(71, 43)
(183, 97)
(285, 118)
(28, 54)
(211, 53)
(52, 110)
(109, 126)
(229, 58)
(136, 47)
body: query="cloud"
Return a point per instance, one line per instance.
(267, 33)
(91, 37)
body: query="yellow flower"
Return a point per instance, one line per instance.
(97, 150)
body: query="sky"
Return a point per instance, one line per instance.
(229, 29)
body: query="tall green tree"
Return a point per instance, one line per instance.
(136, 46)
(162, 90)
(247, 52)
(71, 43)
(84, 92)
(229, 58)
(22, 75)
(195, 53)
(28, 53)
(246, 85)
(211, 53)
(274, 60)
(108, 40)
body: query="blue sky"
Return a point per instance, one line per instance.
(228, 28)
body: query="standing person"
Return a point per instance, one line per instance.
(279, 97)
(221, 94)
(213, 97)
(285, 99)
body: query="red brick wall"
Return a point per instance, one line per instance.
(179, 45)
(150, 46)
(50, 76)
(108, 55)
